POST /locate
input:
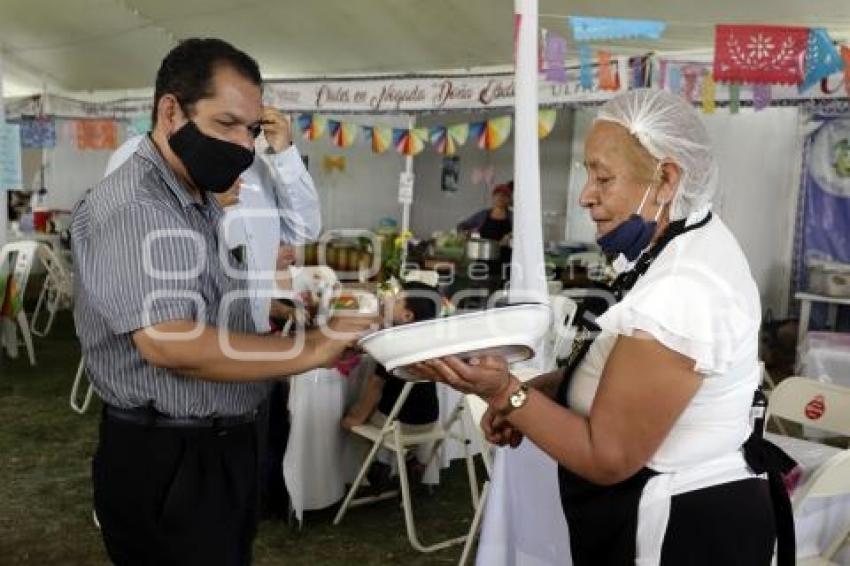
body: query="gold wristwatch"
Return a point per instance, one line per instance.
(517, 399)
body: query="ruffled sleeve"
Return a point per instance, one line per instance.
(691, 313)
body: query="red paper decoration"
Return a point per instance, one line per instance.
(759, 54)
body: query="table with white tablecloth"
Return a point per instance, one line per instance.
(321, 457)
(825, 356)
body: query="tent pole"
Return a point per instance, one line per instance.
(406, 203)
(4, 207)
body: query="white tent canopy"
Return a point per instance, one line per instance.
(97, 45)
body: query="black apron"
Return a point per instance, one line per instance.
(603, 519)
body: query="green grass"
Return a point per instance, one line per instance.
(45, 485)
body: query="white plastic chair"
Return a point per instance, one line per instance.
(832, 479)
(24, 253)
(56, 293)
(827, 407)
(476, 407)
(391, 437)
(797, 399)
(76, 406)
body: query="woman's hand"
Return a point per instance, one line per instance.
(497, 429)
(487, 376)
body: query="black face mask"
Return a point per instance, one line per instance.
(213, 164)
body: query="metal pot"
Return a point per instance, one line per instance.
(481, 249)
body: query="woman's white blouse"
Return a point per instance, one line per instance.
(699, 299)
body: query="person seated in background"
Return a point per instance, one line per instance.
(420, 411)
(494, 223)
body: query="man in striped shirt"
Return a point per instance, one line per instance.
(163, 315)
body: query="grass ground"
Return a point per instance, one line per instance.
(45, 485)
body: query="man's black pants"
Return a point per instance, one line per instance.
(182, 496)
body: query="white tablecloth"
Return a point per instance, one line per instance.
(321, 457)
(826, 357)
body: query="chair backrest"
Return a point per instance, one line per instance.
(829, 480)
(58, 271)
(824, 406)
(14, 275)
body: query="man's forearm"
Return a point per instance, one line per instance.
(228, 356)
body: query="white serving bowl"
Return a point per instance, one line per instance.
(512, 331)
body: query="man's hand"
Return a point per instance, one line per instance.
(277, 128)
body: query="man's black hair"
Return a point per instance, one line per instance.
(187, 70)
(421, 299)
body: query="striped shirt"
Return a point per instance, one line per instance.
(145, 252)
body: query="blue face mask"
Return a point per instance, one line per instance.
(632, 236)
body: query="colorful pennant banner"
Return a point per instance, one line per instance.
(492, 133)
(312, 126)
(379, 137)
(759, 54)
(410, 141)
(603, 29)
(342, 134)
(822, 58)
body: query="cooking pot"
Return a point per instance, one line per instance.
(481, 249)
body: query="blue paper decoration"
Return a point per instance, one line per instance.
(822, 58)
(596, 29)
(585, 78)
(38, 133)
(674, 79)
(139, 125)
(554, 53)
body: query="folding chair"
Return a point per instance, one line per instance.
(391, 437)
(13, 287)
(827, 407)
(76, 406)
(832, 479)
(811, 403)
(477, 407)
(56, 293)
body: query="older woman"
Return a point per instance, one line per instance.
(650, 421)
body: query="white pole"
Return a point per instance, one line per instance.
(406, 200)
(4, 207)
(528, 277)
(523, 522)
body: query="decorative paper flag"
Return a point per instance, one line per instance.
(492, 133)
(734, 98)
(759, 54)
(845, 55)
(517, 23)
(609, 79)
(38, 133)
(342, 134)
(675, 75)
(331, 163)
(484, 175)
(11, 177)
(822, 58)
(595, 29)
(446, 139)
(546, 122)
(312, 126)
(690, 74)
(139, 125)
(641, 70)
(708, 91)
(379, 137)
(585, 76)
(761, 96)
(662, 73)
(410, 142)
(554, 55)
(96, 134)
